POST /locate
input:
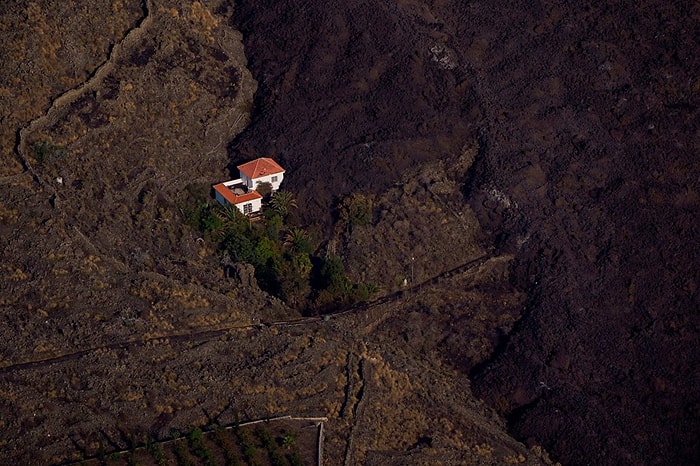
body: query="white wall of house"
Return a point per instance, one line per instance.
(250, 207)
(275, 180)
(248, 182)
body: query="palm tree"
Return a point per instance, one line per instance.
(297, 240)
(230, 218)
(282, 202)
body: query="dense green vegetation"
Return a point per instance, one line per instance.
(285, 256)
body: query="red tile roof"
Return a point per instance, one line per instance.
(234, 198)
(263, 166)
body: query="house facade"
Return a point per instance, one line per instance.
(241, 192)
(262, 170)
(236, 192)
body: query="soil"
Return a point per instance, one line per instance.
(534, 176)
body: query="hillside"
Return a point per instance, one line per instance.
(532, 178)
(118, 321)
(585, 124)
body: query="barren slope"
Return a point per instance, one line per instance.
(117, 321)
(587, 121)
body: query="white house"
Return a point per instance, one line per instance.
(241, 192)
(237, 193)
(262, 170)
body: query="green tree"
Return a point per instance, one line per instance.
(196, 207)
(333, 275)
(297, 240)
(265, 251)
(363, 292)
(199, 447)
(231, 219)
(264, 188)
(294, 279)
(273, 224)
(239, 246)
(45, 151)
(282, 202)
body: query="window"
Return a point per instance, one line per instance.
(247, 208)
(274, 179)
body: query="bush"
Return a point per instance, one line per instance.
(362, 292)
(356, 210)
(230, 458)
(269, 444)
(199, 448)
(288, 441)
(295, 459)
(333, 288)
(45, 151)
(332, 275)
(182, 456)
(264, 188)
(250, 454)
(159, 455)
(197, 209)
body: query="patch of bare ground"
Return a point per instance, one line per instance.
(77, 408)
(419, 228)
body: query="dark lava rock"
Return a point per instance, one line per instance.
(351, 95)
(588, 123)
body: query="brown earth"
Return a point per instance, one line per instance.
(534, 174)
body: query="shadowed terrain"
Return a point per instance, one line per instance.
(532, 174)
(586, 119)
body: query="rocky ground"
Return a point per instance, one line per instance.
(586, 119)
(533, 174)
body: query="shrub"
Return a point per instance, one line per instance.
(264, 188)
(197, 210)
(230, 458)
(199, 448)
(45, 151)
(269, 444)
(332, 275)
(362, 292)
(332, 286)
(245, 440)
(356, 210)
(295, 459)
(182, 456)
(159, 455)
(288, 441)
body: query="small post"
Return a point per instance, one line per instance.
(413, 260)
